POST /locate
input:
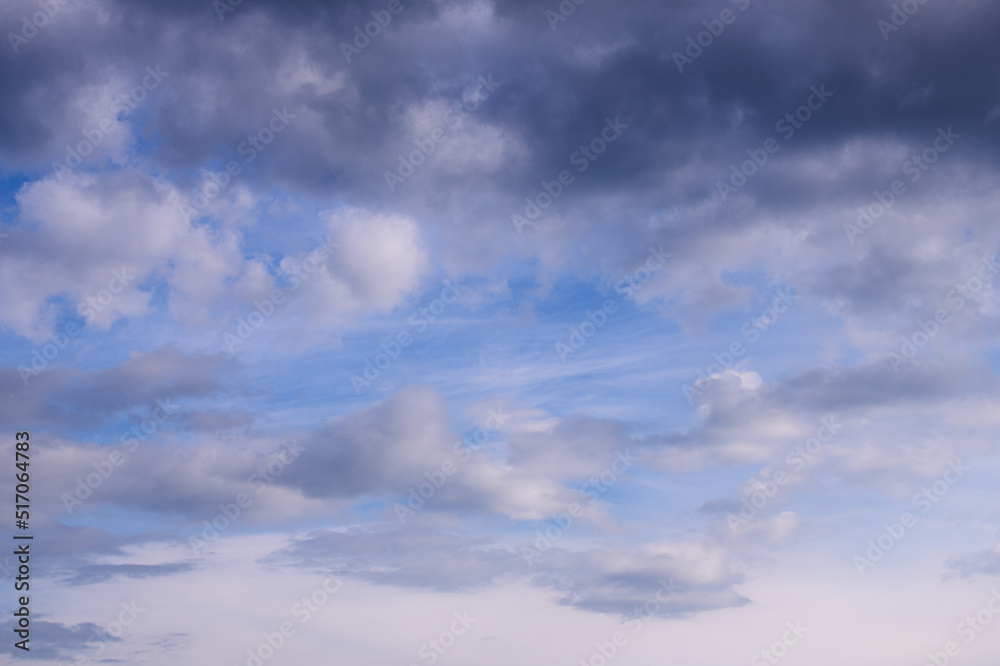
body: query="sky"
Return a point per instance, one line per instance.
(461, 332)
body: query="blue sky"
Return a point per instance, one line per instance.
(480, 331)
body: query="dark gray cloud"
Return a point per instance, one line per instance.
(383, 448)
(70, 397)
(825, 389)
(99, 573)
(558, 86)
(57, 641)
(656, 183)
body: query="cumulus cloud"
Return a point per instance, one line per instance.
(376, 263)
(101, 243)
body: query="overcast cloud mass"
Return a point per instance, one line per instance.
(495, 331)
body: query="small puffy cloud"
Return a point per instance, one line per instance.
(375, 263)
(100, 242)
(974, 565)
